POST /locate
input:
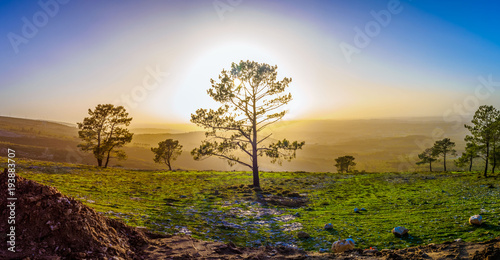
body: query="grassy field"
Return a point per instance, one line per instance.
(435, 207)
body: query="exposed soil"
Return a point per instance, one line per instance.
(50, 225)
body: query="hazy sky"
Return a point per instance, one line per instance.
(347, 59)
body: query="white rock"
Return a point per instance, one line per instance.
(340, 246)
(329, 226)
(400, 231)
(476, 220)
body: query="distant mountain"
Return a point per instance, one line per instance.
(377, 144)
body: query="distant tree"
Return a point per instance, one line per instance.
(250, 96)
(344, 162)
(427, 156)
(444, 147)
(104, 131)
(167, 151)
(495, 151)
(483, 132)
(495, 158)
(467, 158)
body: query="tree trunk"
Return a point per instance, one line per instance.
(99, 162)
(255, 165)
(167, 162)
(494, 165)
(430, 166)
(107, 159)
(487, 159)
(470, 165)
(444, 160)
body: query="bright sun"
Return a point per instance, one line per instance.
(192, 94)
(187, 92)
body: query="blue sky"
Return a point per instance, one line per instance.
(157, 57)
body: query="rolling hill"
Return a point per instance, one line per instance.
(377, 144)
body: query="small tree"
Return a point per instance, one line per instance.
(167, 151)
(344, 162)
(104, 132)
(251, 98)
(467, 158)
(495, 150)
(483, 131)
(444, 147)
(427, 157)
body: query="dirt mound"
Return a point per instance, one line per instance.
(50, 224)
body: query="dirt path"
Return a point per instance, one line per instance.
(50, 225)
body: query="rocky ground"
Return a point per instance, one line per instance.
(50, 225)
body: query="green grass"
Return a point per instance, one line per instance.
(219, 206)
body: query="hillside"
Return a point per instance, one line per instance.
(378, 144)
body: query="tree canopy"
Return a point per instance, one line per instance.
(104, 132)
(468, 156)
(167, 151)
(444, 147)
(485, 133)
(427, 156)
(344, 162)
(251, 99)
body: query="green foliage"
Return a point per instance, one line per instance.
(435, 207)
(344, 162)
(251, 99)
(467, 157)
(167, 151)
(427, 156)
(444, 147)
(103, 132)
(485, 131)
(283, 150)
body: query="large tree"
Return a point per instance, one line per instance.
(104, 132)
(444, 147)
(483, 131)
(167, 151)
(251, 99)
(427, 156)
(343, 163)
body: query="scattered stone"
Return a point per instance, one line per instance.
(182, 196)
(322, 250)
(356, 210)
(371, 250)
(400, 231)
(340, 246)
(303, 235)
(363, 209)
(328, 226)
(458, 240)
(476, 220)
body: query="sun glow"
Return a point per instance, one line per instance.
(192, 94)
